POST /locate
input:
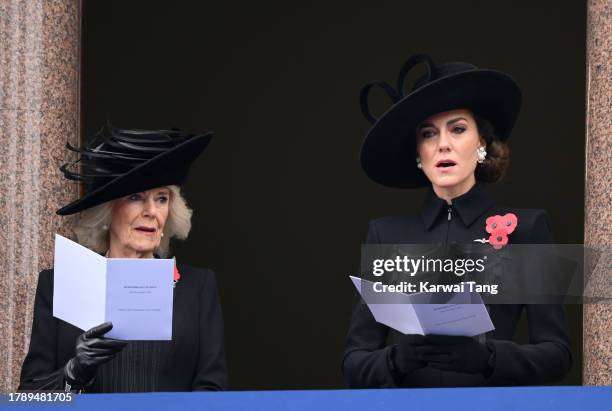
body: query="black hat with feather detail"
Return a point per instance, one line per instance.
(118, 162)
(388, 152)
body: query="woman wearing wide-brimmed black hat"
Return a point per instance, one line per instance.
(449, 133)
(133, 207)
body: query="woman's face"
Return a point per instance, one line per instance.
(137, 223)
(447, 144)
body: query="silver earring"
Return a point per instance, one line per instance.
(481, 153)
(419, 165)
(105, 227)
(162, 234)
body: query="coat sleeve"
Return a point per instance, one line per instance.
(367, 356)
(547, 357)
(40, 370)
(211, 373)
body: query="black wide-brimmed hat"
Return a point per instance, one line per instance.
(118, 162)
(388, 152)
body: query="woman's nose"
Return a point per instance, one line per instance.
(150, 209)
(443, 142)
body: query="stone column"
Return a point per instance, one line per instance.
(598, 197)
(39, 113)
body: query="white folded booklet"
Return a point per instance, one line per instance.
(135, 294)
(461, 314)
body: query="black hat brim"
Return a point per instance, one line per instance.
(388, 153)
(168, 168)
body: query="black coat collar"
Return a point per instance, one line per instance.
(468, 206)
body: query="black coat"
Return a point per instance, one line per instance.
(193, 360)
(545, 359)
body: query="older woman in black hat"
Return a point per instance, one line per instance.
(132, 209)
(449, 134)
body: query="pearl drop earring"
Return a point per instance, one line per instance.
(419, 165)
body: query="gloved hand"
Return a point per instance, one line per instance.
(404, 355)
(92, 350)
(455, 353)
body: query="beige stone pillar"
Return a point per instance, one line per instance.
(598, 196)
(39, 78)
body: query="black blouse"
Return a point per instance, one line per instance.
(546, 358)
(193, 360)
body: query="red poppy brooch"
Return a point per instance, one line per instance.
(499, 227)
(177, 275)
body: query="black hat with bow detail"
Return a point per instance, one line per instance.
(119, 162)
(388, 152)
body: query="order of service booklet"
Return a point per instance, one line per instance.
(461, 314)
(135, 294)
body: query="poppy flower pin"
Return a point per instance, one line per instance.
(499, 227)
(177, 275)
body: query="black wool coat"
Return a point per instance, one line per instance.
(193, 360)
(546, 358)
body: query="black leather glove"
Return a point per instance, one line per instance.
(92, 350)
(455, 353)
(404, 356)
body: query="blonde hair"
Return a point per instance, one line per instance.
(93, 224)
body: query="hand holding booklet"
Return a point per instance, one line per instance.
(461, 313)
(135, 294)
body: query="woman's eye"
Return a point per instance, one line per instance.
(134, 197)
(458, 129)
(163, 199)
(427, 133)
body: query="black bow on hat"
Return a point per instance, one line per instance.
(388, 152)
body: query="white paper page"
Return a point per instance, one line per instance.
(398, 314)
(455, 317)
(79, 286)
(139, 298)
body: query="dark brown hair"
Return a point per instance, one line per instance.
(498, 153)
